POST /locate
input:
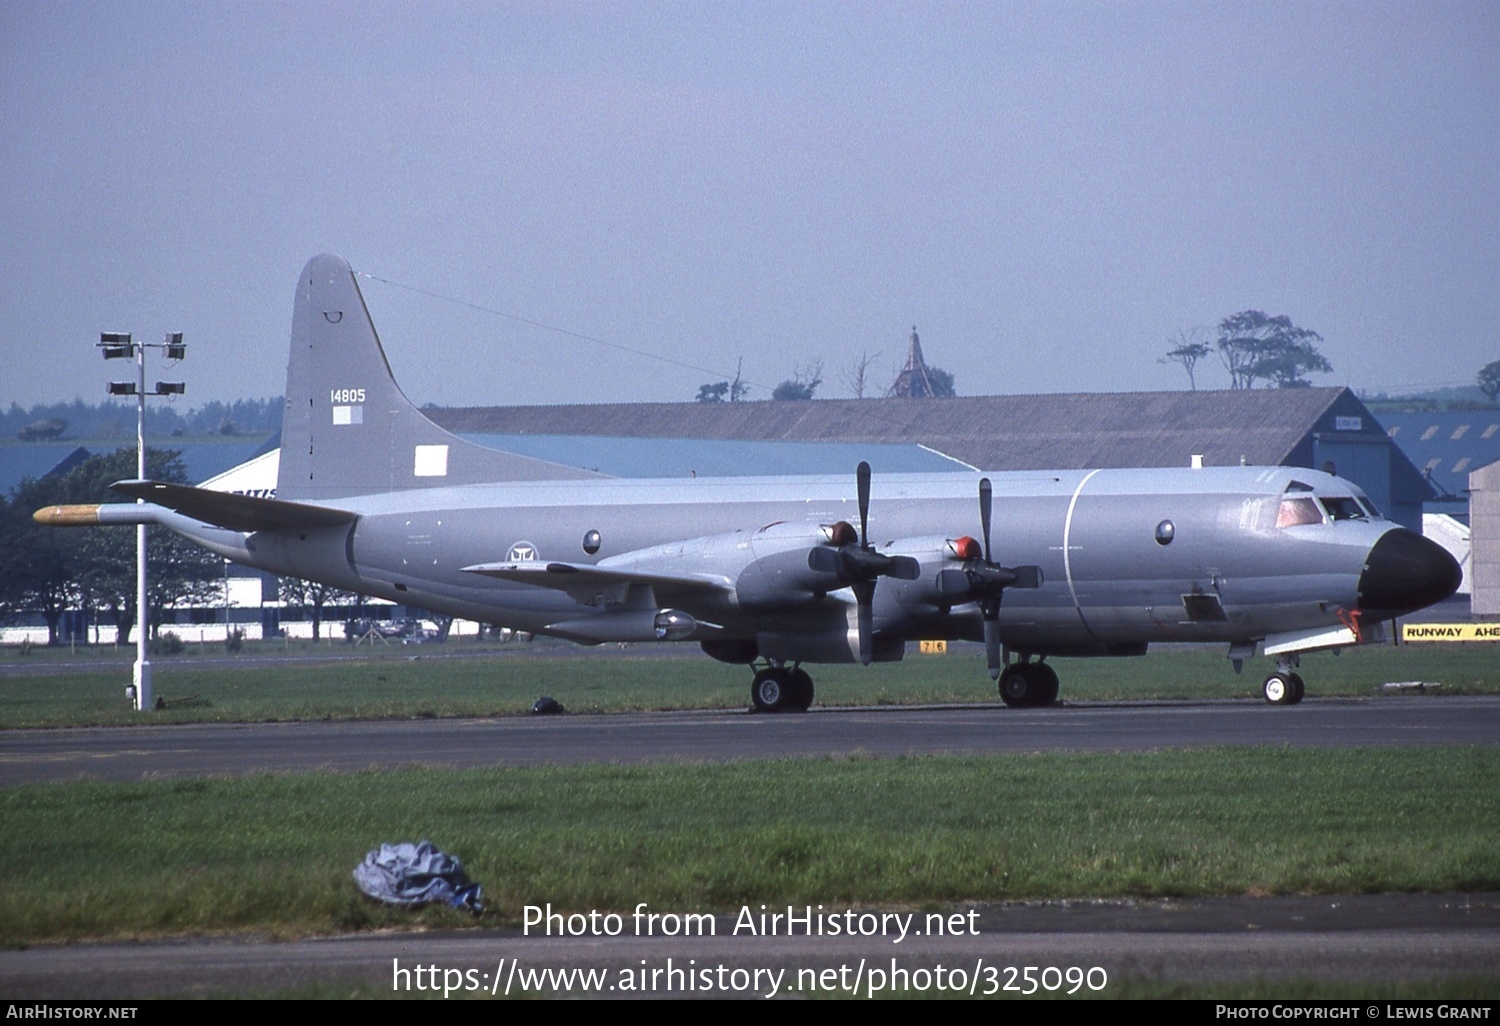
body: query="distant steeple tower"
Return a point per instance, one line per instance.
(913, 382)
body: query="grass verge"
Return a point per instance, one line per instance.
(273, 854)
(403, 684)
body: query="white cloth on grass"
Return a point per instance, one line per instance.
(416, 874)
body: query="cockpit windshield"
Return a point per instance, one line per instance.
(1295, 510)
(1343, 507)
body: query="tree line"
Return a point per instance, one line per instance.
(936, 383)
(48, 571)
(1255, 347)
(112, 419)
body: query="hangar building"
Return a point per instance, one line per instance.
(1325, 428)
(1446, 447)
(1484, 524)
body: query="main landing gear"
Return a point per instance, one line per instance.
(781, 689)
(1028, 684)
(1284, 687)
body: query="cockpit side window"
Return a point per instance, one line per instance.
(1343, 507)
(1369, 506)
(1295, 510)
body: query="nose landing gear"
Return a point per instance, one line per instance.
(1284, 687)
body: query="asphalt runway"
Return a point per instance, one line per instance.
(138, 753)
(1282, 940)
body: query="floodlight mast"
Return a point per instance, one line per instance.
(120, 345)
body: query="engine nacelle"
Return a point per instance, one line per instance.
(923, 596)
(779, 577)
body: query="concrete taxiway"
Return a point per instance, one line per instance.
(150, 752)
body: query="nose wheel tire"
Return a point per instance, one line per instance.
(1283, 688)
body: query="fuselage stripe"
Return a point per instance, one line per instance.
(1068, 549)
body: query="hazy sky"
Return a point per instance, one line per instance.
(1048, 190)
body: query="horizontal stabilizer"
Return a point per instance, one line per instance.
(236, 512)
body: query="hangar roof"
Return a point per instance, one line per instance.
(690, 457)
(201, 457)
(1025, 432)
(1446, 447)
(36, 460)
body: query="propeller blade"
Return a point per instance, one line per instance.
(864, 595)
(990, 608)
(824, 561)
(953, 583)
(992, 644)
(904, 568)
(986, 501)
(862, 475)
(1026, 577)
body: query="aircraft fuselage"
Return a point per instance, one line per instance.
(1224, 570)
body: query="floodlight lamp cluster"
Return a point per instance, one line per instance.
(120, 345)
(116, 345)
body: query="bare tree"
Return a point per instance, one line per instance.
(857, 375)
(737, 387)
(1189, 350)
(724, 391)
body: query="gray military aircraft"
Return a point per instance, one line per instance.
(775, 572)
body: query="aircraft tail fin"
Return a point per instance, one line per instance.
(348, 429)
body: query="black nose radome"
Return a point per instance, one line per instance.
(1405, 572)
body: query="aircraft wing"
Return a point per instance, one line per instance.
(593, 585)
(236, 512)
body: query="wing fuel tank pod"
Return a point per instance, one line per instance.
(627, 625)
(1405, 572)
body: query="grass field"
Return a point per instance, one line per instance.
(274, 853)
(50, 689)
